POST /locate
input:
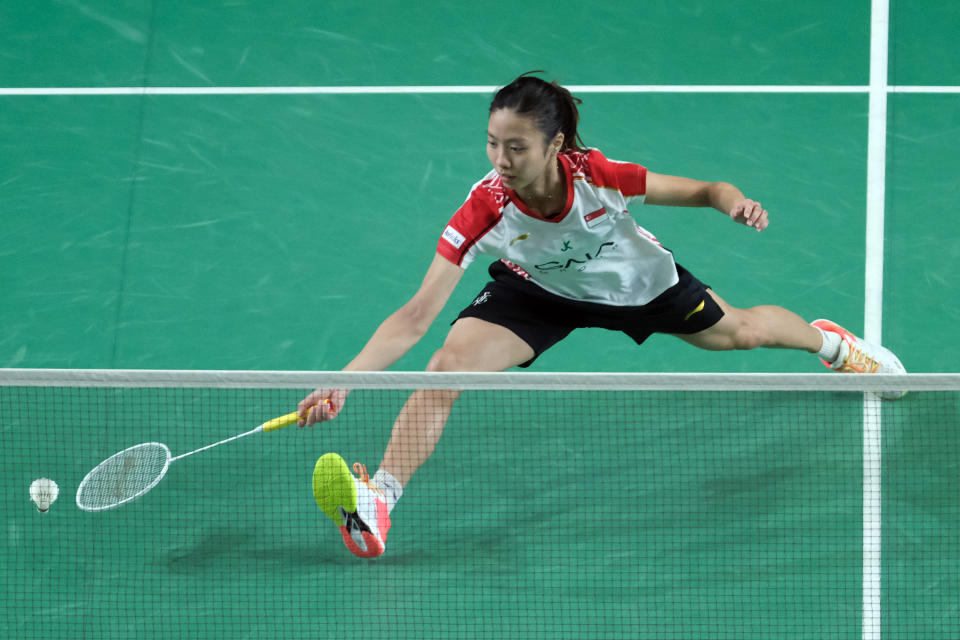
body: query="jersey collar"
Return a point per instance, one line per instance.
(567, 176)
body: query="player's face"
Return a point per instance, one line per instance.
(517, 151)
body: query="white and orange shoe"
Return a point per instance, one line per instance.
(858, 356)
(355, 505)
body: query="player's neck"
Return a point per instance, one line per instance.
(547, 196)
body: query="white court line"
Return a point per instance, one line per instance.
(923, 89)
(876, 174)
(872, 517)
(463, 89)
(871, 616)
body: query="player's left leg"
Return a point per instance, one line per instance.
(777, 328)
(763, 326)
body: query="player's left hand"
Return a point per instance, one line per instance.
(750, 213)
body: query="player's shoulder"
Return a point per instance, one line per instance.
(588, 164)
(489, 190)
(484, 204)
(487, 197)
(592, 166)
(476, 218)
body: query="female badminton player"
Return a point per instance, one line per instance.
(554, 215)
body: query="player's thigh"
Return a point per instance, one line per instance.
(477, 345)
(725, 334)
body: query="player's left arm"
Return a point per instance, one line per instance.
(676, 191)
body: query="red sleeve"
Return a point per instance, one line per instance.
(469, 224)
(630, 179)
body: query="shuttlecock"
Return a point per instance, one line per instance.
(43, 492)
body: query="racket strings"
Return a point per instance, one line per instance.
(124, 476)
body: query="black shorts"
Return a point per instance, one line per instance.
(542, 319)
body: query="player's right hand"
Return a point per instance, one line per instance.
(320, 406)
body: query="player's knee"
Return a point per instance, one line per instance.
(749, 333)
(748, 337)
(738, 332)
(447, 359)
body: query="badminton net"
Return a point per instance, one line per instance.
(554, 506)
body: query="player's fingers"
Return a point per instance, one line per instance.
(737, 211)
(304, 420)
(762, 221)
(761, 215)
(337, 398)
(309, 416)
(309, 401)
(324, 410)
(320, 406)
(303, 409)
(320, 412)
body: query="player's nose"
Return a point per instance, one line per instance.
(501, 161)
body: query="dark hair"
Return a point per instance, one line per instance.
(552, 108)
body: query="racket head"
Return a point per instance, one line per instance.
(124, 476)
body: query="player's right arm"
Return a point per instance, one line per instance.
(392, 339)
(404, 328)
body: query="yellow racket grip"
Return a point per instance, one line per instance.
(281, 422)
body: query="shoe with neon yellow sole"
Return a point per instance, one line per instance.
(859, 356)
(354, 504)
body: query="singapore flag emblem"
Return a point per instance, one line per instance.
(595, 218)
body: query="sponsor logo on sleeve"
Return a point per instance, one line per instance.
(453, 236)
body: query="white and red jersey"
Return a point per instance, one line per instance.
(592, 251)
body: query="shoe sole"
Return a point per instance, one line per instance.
(333, 487)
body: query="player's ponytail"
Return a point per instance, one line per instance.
(552, 107)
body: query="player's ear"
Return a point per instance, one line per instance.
(557, 143)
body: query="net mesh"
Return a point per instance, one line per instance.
(123, 476)
(596, 512)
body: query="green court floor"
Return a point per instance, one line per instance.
(276, 231)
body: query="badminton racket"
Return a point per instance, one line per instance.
(128, 474)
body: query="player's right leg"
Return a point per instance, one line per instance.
(356, 505)
(360, 507)
(471, 345)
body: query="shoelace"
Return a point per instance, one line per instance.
(361, 471)
(860, 362)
